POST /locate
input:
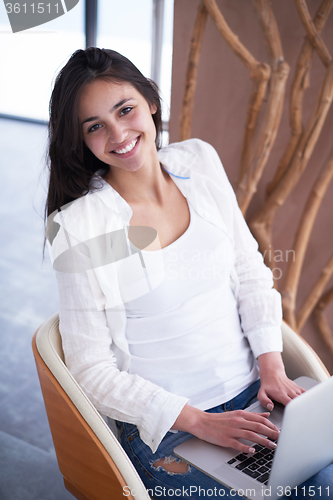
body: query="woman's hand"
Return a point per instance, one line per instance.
(225, 429)
(275, 385)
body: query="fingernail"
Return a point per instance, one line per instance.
(272, 445)
(252, 450)
(270, 406)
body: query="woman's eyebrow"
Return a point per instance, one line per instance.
(115, 107)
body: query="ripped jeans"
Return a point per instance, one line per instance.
(194, 484)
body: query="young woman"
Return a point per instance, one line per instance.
(167, 313)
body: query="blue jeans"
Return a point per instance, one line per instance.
(194, 484)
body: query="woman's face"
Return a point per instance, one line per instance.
(117, 124)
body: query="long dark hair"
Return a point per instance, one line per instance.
(71, 163)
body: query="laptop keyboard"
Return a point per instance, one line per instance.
(258, 466)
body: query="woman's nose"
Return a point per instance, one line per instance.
(117, 133)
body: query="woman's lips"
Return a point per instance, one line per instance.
(128, 150)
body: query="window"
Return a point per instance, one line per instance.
(127, 29)
(30, 60)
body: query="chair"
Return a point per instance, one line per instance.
(90, 458)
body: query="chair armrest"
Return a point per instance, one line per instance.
(299, 358)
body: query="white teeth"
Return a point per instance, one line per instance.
(127, 149)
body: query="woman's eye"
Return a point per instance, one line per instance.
(94, 127)
(126, 110)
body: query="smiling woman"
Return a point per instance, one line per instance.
(155, 348)
(117, 125)
(67, 149)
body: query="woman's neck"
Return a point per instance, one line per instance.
(148, 184)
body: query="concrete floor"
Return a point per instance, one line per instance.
(28, 295)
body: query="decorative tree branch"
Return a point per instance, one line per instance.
(192, 73)
(256, 99)
(251, 171)
(255, 103)
(321, 321)
(302, 239)
(253, 167)
(300, 84)
(262, 221)
(298, 151)
(259, 72)
(315, 294)
(233, 41)
(252, 175)
(271, 31)
(312, 33)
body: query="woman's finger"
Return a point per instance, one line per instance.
(257, 438)
(239, 446)
(264, 400)
(263, 419)
(257, 429)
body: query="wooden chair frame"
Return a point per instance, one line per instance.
(93, 464)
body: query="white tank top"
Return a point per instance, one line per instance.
(185, 334)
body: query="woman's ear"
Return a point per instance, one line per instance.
(153, 108)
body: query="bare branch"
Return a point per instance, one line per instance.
(321, 321)
(262, 221)
(253, 166)
(270, 30)
(312, 33)
(259, 72)
(255, 103)
(233, 41)
(315, 294)
(301, 241)
(248, 184)
(192, 73)
(300, 84)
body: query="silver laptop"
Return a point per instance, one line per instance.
(305, 446)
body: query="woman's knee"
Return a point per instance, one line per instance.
(172, 465)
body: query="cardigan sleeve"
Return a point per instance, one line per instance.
(259, 304)
(90, 352)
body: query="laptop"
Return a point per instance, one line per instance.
(305, 446)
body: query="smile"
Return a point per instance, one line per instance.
(128, 148)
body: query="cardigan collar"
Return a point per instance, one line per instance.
(176, 162)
